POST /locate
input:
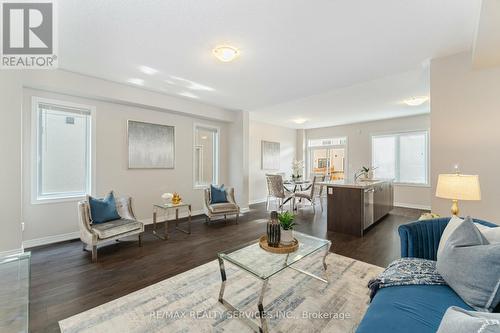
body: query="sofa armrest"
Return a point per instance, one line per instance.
(420, 239)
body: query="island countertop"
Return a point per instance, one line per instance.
(361, 184)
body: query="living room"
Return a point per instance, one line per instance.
(235, 176)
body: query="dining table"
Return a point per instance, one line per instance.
(297, 185)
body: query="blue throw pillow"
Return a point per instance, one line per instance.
(217, 194)
(103, 210)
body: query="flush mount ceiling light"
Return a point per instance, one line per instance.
(138, 82)
(416, 101)
(226, 53)
(299, 121)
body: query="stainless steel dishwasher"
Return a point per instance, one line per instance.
(368, 207)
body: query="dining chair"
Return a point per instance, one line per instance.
(277, 190)
(314, 191)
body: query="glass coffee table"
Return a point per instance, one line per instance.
(261, 264)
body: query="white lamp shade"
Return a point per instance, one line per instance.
(458, 187)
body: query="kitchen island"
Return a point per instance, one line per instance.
(353, 206)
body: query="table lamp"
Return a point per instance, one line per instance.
(458, 187)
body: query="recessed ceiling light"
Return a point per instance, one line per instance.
(299, 121)
(204, 137)
(416, 101)
(226, 53)
(188, 94)
(148, 70)
(139, 82)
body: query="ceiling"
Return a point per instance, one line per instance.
(290, 49)
(372, 100)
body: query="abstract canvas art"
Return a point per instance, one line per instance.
(150, 146)
(270, 155)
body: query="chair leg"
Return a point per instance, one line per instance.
(94, 253)
(84, 247)
(140, 240)
(267, 203)
(237, 217)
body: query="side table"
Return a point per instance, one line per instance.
(165, 208)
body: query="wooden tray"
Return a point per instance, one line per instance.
(282, 249)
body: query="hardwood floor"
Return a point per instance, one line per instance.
(64, 282)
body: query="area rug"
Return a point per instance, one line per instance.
(188, 302)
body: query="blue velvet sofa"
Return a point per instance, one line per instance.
(414, 309)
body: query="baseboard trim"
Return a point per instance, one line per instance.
(413, 206)
(11, 252)
(75, 235)
(50, 239)
(257, 201)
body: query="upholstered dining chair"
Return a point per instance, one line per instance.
(314, 191)
(277, 190)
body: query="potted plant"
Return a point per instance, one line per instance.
(287, 224)
(297, 167)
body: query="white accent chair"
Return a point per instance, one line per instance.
(93, 234)
(220, 209)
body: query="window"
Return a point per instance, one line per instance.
(328, 142)
(62, 137)
(403, 157)
(327, 157)
(206, 156)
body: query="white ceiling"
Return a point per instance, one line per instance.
(487, 41)
(372, 100)
(290, 49)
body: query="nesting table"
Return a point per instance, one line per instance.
(165, 209)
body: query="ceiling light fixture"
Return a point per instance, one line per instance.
(138, 82)
(148, 70)
(299, 121)
(416, 101)
(226, 53)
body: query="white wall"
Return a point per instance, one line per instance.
(359, 151)
(10, 170)
(111, 169)
(288, 140)
(117, 102)
(465, 130)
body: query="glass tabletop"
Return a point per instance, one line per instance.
(171, 205)
(262, 264)
(296, 182)
(14, 292)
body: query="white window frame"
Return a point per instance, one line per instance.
(35, 153)
(397, 157)
(310, 149)
(216, 154)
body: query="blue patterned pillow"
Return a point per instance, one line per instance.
(103, 210)
(217, 194)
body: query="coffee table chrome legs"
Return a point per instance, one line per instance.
(326, 254)
(262, 314)
(263, 328)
